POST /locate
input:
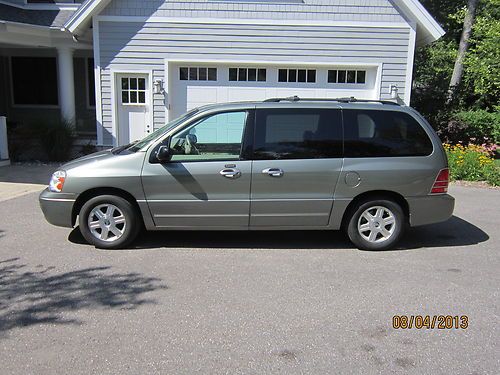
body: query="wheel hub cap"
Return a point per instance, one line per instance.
(377, 224)
(107, 222)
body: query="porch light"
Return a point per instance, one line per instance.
(158, 86)
(394, 92)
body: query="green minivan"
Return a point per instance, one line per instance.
(371, 168)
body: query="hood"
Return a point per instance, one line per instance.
(96, 156)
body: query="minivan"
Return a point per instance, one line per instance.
(371, 168)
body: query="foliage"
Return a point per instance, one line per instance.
(476, 126)
(56, 139)
(472, 163)
(483, 61)
(480, 88)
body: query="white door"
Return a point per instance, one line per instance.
(133, 107)
(195, 85)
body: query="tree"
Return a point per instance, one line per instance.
(458, 70)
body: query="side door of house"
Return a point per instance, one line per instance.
(206, 185)
(133, 107)
(297, 162)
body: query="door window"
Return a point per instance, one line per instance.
(383, 134)
(216, 137)
(133, 90)
(298, 133)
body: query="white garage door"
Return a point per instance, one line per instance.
(193, 85)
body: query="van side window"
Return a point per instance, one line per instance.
(370, 133)
(298, 133)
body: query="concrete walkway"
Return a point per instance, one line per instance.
(20, 179)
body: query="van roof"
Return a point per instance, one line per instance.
(295, 101)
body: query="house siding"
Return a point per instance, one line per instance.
(332, 10)
(146, 46)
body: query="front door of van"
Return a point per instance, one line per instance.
(206, 185)
(298, 160)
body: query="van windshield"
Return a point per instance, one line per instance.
(135, 146)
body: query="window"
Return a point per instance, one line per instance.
(133, 90)
(90, 82)
(198, 74)
(347, 76)
(247, 74)
(297, 75)
(217, 137)
(34, 80)
(384, 133)
(298, 134)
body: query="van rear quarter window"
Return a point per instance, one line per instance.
(371, 133)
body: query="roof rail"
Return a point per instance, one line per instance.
(352, 99)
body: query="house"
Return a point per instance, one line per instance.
(122, 68)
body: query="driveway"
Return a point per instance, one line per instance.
(249, 303)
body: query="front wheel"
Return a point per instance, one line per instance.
(376, 225)
(109, 222)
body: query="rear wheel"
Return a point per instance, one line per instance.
(376, 225)
(109, 222)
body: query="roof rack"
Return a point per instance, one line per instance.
(352, 99)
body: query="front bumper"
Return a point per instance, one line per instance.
(57, 208)
(431, 209)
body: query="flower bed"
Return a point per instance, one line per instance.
(473, 163)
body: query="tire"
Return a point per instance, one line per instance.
(383, 222)
(109, 222)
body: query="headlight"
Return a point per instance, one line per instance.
(57, 181)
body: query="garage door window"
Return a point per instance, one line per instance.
(247, 74)
(297, 75)
(298, 134)
(216, 137)
(347, 76)
(197, 74)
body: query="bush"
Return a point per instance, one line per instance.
(56, 139)
(472, 163)
(477, 126)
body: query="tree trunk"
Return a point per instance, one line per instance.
(458, 70)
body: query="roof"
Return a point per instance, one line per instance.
(50, 18)
(428, 30)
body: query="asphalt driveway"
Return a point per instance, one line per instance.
(249, 303)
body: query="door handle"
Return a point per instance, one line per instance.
(230, 173)
(273, 172)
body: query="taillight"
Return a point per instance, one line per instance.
(441, 184)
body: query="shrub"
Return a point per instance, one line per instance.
(56, 139)
(472, 163)
(477, 126)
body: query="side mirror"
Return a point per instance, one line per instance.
(164, 155)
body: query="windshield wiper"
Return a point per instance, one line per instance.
(119, 149)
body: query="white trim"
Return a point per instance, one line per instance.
(98, 88)
(378, 81)
(422, 17)
(38, 6)
(83, 14)
(411, 8)
(409, 65)
(250, 21)
(114, 98)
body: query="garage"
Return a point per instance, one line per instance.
(195, 84)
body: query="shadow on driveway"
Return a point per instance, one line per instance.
(454, 232)
(30, 297)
